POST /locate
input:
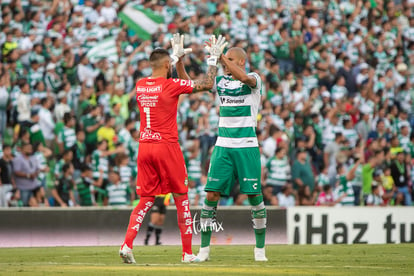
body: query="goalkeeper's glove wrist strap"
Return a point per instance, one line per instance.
(174, 59)
(212, 61)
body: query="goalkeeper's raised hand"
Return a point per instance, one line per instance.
(215, 47)
(177, 44)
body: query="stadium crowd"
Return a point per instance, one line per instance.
(335, 126)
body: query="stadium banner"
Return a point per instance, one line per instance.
(144, 22)
(103, 226)
(350, 225)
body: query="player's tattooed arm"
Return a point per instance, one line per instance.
(207, 82)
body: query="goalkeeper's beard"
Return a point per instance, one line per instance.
(169, 72)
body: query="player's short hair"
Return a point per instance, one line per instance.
(157, 55)
(240, 52)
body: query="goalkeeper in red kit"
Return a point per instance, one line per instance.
(161, 166)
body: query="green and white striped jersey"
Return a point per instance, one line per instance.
(239, 105)
(334, 6)
(125, 173)
(67, 136)
(329, 39)
(53, 82)
(95, 32)
(310, 82)
(193, 166)
(277, 99)
(118, 194)
(357, 181)
(278, 171)
(351, 135)
(314, 56)
(58, 168)
(33, 56)
(133, 151)
(34, 76)
(42, 165)
(409, 33)
(202, 194)
(192, 193)
(339, 92)
(124, 136)
(345, 187)
(323, 180)
(404, 142)
(382, 61)
(99, 163)
(56, 51)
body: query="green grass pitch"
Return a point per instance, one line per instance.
(225, 260)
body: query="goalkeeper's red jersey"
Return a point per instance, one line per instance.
(157, 100)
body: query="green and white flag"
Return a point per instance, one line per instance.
(104, 49)
(144, 22)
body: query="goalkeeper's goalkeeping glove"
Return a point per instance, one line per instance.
(215, 48)
(177, 44)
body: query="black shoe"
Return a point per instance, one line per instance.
(146, 242)
(158, 243)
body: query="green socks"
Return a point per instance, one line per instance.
(208, 215)
(259, 219)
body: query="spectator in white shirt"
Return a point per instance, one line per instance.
(23, 103)
(46, 122)
(286, 197)
(363, 73)
(375, 198)
(62, 107)
(85, 73)
(270, 143)
(108, 12)
(26, 45)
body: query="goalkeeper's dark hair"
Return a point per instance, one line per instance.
(158, 54)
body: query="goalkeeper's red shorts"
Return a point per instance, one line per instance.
(161, 169)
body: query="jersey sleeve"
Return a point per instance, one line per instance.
(258, 88)
(180, 86)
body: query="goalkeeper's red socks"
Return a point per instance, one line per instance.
(185, 222)
(136, 219)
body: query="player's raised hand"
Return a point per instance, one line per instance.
(215, 47)
(177, 44)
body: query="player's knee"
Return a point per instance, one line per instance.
(213, 196)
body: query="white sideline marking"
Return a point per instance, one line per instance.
(211, 265)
